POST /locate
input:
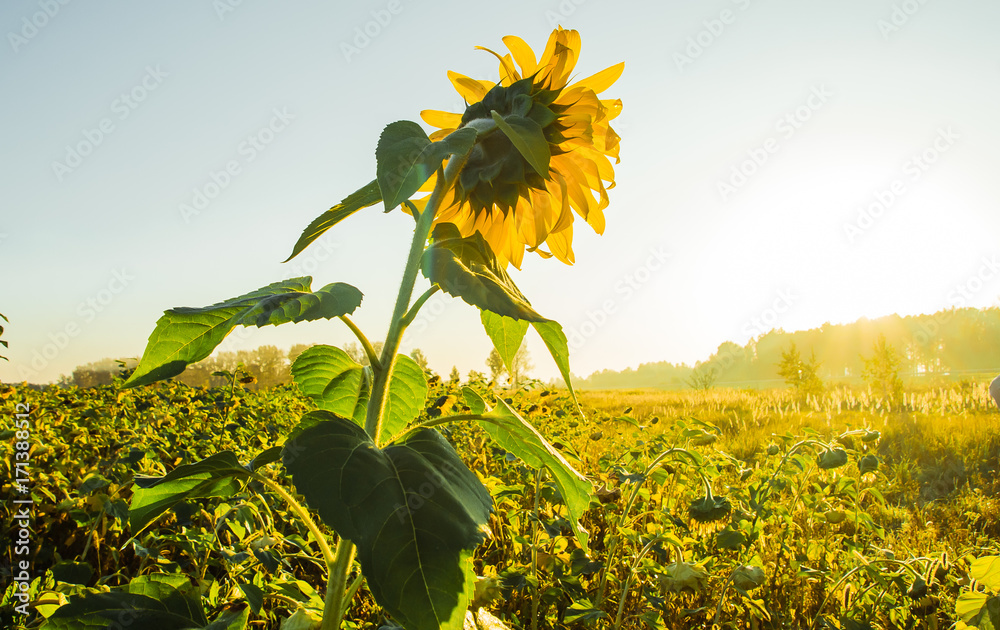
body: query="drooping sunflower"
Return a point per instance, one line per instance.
(514, 202)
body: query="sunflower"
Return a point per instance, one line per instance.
(514, 202)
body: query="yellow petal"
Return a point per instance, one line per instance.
(442, 120)
(471, 90)
(507, 72)
(602, 80)
(523, 55)
(561, 244)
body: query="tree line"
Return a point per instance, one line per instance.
(947, 345)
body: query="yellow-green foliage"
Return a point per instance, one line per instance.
(710, 506)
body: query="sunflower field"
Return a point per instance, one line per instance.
(726, 509)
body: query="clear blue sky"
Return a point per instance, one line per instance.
(752, 133)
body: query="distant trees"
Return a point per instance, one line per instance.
(418, 356)
(949, 344)
(357, 353)
(455, 376)
(495, 364)
(801, 375)
(269, 365)
(703, 377)
(4, 343)
(519, 368)
(881, 370)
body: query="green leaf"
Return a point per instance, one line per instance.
(979, 610)
(465, 267)
(265, 457)
(730, 539)
(219, 475)
(406, 397)
(555, 340)
(369, 195)
(517, 435)
(254, 595)
(151, 602)
(72, 572)
(232, 620)
(986, 571)
(187, 335)
(528, 137)
(406, 158)
(413, 509)
(505, 333)
(333, 380)
(475, 402)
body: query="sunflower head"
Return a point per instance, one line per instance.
(541, 154)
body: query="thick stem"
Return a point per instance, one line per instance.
(334, 606)
(338, 564)
(376, 405)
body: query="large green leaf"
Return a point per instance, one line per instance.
(465, 267)
(151, 602)
(369, 195)
(505, 333)
(187, 335)
(519, 437)
(219, 475)
(986, 571)
(413, 509)
(407, 394)
(555, 340)
(333, 380)
(528, 137)
(979, 610)
(406, 158)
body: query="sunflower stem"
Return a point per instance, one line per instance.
(380, 386)
(336, 602)
(365, 344)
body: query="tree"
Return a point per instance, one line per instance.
(358, 353)
(296, 350)
(703, 377)
(495, 363)
(520, 366)
(881, 370)
(418, 356)
(800, 374)
(455, 376)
